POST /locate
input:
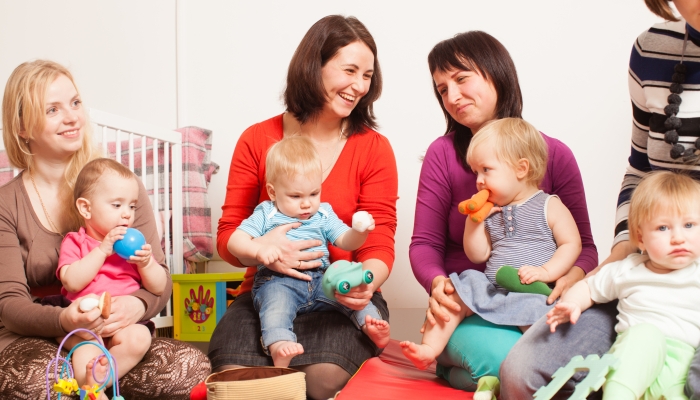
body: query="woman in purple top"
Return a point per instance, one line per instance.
(475, 81)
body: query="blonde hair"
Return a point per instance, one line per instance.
(291, 156)
(91, 173)
(662, 8)
(23, 111)
(661, 191)
(513, 139)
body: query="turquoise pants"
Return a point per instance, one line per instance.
(651, 366)
(476, 349)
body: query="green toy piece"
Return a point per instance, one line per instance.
(344, 275)
(488, 388)
(507, 277)
(598, 368)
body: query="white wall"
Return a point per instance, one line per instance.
(121, 53)
(571, 58)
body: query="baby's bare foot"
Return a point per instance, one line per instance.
(377, 330)
(100, 369)
(421, 355)
(282, 352)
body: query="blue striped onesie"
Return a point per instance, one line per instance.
(279, 298)
(520, 235)
(324, 225)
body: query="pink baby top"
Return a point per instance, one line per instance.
(116, 276)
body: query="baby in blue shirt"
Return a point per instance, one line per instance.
(294, 176)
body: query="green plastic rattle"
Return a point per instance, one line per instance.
(341, 276)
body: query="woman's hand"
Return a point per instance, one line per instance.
(618, 253)
(125, 311)
(357, 298)
(441, 288)
(71, 318)
(293, 258)
(565, 283)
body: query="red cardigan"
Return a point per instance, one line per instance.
(363, 178)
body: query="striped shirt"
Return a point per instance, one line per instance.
(654, 56)
(520, 235)
(324, 225)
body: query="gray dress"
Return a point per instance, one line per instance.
(520, 235)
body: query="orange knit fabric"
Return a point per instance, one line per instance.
(363, 178)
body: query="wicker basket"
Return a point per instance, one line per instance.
(260, 383)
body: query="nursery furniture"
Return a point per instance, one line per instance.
(160, 157)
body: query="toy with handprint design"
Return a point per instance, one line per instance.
(198, 307)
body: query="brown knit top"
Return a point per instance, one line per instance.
(28, 261)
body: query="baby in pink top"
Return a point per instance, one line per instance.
(106, 194)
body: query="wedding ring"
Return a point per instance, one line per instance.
(299, 264)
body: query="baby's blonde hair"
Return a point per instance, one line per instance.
(291, 156)
(513, 139)
(661, 192)
(95, 170)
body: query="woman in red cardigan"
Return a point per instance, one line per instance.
(332, 82)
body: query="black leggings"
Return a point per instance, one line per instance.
(169, 370)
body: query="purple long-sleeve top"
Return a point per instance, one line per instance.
(436, 246)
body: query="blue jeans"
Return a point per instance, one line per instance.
(278, 299)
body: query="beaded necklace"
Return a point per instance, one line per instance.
(673, 123)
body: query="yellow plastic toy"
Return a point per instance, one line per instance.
(478, 207)
(66, 386)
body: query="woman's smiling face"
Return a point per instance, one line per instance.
(64, 121)
(347, 77)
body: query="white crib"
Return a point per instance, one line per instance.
(144, 142)
(109, 128)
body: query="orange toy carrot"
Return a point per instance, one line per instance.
(479, 215)
(478, 200)
(474, 203)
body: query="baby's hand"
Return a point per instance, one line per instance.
(362, 221)
(268, 254)
(529, 274)
(107, 245)
(142, 257)
(562, 313)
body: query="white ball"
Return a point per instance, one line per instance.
(88, 304)
(360, 221)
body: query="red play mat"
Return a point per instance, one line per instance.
(393, 376)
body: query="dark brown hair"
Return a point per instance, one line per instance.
(477, 51)
(661, 8)
(305, 95)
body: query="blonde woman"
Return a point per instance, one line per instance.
(46, 133)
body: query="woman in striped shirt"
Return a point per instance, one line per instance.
(665, 136)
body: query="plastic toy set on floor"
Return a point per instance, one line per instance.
(64, 381)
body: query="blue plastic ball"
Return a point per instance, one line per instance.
(133, 240)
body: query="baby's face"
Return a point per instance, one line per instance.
(299, 197)
(496, 176)
(112, 203)
(671, 241)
